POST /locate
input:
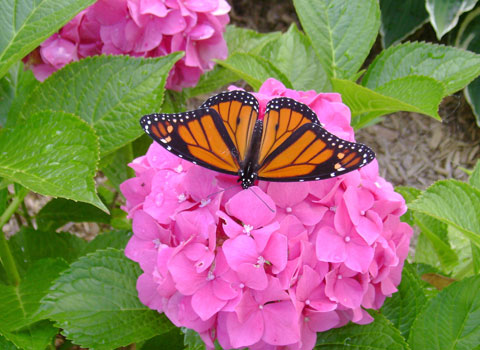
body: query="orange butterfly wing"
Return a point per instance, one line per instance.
(239, 112)
(215, 136)
(197, 136)
(296, 148)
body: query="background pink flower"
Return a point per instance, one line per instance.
(223, 264)
(147, 28)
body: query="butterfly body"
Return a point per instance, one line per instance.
(226, 135)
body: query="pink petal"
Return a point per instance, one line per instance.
(59, 52)
(247, 333)
(330, 247)
(147, 293)
(153, 7)
(239, 250)
(281, 323)
(358, 257)
(288, 194)
(307, 283)
(322, 321)
(173, 23)
(248, 208)
(369, 227)
(201, 6)
(205, 304)
(252, 276)
(309, 213)
(276, 252)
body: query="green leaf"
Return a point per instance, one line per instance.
(472, 93)
(172, 340)
(462, 247)
(475, 258)
(58, 212)
(437, 233)
(254, 69)
(212, 81)
(54, 154)
(367, 104)
(20, 83)
(36, 336)
(454, 203)
(115, 165)
(450, 320)
(444, 14)
(29, 245)
(19, 305)
(238, 40)
(400, 19)
(95, 302)
(380, 334)
(474, 179)
(342, 32)
(468, 38)
(193, 341)
(110, 93)
(402, 308)
(409, 194)
(421, 269)
(25, 24)
(113, 239)
(247, 40)
(293, 54)
(453, 67)
(6, 345)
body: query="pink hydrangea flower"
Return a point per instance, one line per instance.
(147, 28)
(221, 263)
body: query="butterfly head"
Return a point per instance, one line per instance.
(247, 178)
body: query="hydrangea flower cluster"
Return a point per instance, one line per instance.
(148, 28)
(223, 264)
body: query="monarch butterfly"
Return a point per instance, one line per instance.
(226, 135)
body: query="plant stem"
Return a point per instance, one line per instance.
(5, 254)
(25, 214)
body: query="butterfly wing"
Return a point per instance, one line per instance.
(283, 116)
(198, 136)
(238, 110)
(308, 152)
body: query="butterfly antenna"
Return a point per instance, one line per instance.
(215, 193)
(273, 211)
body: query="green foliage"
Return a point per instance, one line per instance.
(468, 38)
(58, 212)
(25, 24)
(253, 69)
(404, 306)
(399, 94)
(380, 334)
(28, 246)
(20, 316)
(444, 14)
(95, 303)
(454, 203)
(400, 19)
(110, 93)
(450, 319)
(52, 153)
(294, 56)
(453, 67)
(342, 32)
